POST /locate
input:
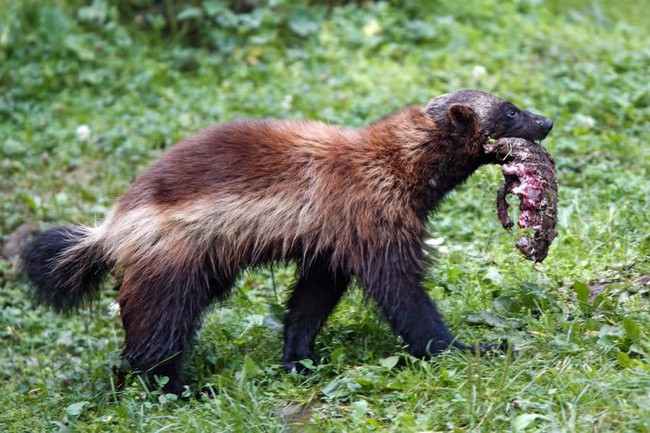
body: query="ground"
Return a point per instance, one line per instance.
(89, 97)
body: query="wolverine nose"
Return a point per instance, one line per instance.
(549, 124)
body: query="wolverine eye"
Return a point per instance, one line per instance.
(512, 113)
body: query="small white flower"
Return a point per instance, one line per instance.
(371, 28)
(185, 120)
(114, 309)
(582, 121)
(83, 132)
(446, 21)
(478, 72)
(435, 242)
(287, 103)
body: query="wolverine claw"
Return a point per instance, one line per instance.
(294, 367)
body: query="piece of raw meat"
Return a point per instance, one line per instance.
(529, 172)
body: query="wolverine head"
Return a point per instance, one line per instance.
(473, 114)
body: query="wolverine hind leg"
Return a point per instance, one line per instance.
(315, 294)
(161, 310)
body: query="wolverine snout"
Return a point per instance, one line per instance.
(547, 126)
(538, 127)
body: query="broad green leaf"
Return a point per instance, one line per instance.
(486, 318)
(631, 328)
(389, 362)
(75, 409)
(522, 422)
(189, 13)
(623, 359)
(582, 292)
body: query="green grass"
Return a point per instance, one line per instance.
(583, 364)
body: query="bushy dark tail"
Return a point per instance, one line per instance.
(65, 266)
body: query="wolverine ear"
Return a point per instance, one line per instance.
(463, 118)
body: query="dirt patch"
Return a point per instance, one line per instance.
(18, 240)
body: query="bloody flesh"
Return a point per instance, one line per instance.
(529, 172)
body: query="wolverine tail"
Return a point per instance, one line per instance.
(66, 266)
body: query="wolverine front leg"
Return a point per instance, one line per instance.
(393, 278)
(315, 294)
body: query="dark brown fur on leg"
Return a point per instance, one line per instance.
(393, 279)
(160, 313)
(316, 293)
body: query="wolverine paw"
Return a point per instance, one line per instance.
(297, 367)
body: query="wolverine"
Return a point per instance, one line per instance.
(341, 203)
